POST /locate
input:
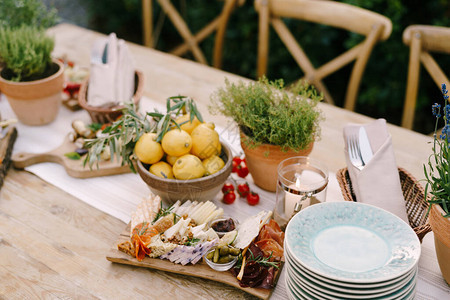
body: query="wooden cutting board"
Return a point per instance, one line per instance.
(201, 269)
(6, 146)
(74, 168)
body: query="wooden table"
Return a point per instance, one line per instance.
(52, 245)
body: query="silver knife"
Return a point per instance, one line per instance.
(366, 150)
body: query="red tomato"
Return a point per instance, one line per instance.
(70, 63)
(227, 187)
(252, 198)
(242, 170)
(243, 189)
(229, 197)
(237, 159)
(234, 166)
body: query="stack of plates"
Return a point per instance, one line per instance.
(349, 250)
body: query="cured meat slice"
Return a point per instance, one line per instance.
(271, 248)
(273, 231)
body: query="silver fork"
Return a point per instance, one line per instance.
(354, 152)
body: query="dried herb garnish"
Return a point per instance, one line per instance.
(264, 261)
(191, 241)
(162, 213)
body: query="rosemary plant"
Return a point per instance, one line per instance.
(437, 175)
(267, 113)
(25, 52)
(121, 136)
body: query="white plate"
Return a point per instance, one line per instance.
(348, 293)
(312, 292)
(352, 242)
(379, 286)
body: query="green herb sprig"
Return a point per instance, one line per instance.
(164, 212)
(264, 261)
(191, 241)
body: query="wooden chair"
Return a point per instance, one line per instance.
(423, 39)
(373, 26)
(191, 41)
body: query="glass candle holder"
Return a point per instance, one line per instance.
(302, 181)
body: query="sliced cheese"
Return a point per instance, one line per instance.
(197, 229)
(211, 234)
(248, 230)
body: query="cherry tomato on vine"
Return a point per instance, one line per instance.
(252, 198)
(237, 159)
(243, 189)
(229, 197)
(235, 163)
(242, 170)
(227, 187)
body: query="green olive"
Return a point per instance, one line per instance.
(224, 250)
(235, 251)
(210, 255)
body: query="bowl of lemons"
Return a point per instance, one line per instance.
(189, 163)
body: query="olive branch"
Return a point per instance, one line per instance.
(121, 135)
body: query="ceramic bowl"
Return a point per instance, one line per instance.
(107, 115)
(219, 267)
(200, 189)
(222, 233)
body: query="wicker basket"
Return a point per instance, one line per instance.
(106, 115)
(414, 194)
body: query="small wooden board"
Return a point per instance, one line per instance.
(74, 168)
(201, 269)
(6, 146)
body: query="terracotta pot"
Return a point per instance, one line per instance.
(106, 115)
(441, 230)
(263, 160)
(35, 102)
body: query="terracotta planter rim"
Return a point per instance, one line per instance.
(272, 146)
(7, 86)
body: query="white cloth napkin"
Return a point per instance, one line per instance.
(112, 71)
(378, 183)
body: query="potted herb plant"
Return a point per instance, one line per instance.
(275, 123)
(438, 187)
(30, 79)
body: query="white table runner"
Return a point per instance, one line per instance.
(118, 195)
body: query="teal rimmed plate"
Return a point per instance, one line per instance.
(352, 242)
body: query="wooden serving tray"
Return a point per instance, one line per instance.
(201, 269)
(74, 168)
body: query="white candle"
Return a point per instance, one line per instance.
(310, 182)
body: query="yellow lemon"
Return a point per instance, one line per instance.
(213, 164)
(205, 141)
(162, 169)
(188, 167)
(188, 126)
(147, 149)
(176, 142)
(171, 159)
